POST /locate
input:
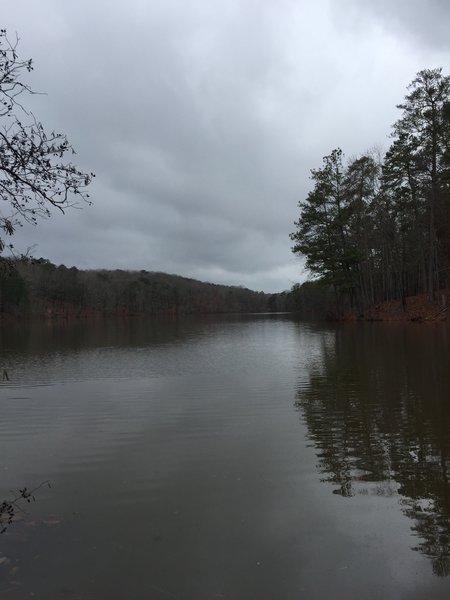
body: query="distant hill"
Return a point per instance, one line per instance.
(38, 287)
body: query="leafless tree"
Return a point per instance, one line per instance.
(35, 175)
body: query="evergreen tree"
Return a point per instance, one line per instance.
(323, 234)
(418, 159)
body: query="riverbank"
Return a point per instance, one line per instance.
(415, 308)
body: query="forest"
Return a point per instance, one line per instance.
(37, 287)
(376, 228)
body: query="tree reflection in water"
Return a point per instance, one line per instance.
(377, 408)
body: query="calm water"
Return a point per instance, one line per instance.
(244, 458)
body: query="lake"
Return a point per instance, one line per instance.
(242, 457)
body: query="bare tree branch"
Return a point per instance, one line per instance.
(33, 175)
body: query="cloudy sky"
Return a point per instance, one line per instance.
(203, 118)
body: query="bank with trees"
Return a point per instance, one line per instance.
(37, 287)
(377, 228)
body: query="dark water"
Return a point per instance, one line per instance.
(242, 458)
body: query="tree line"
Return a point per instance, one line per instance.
(376, 228)
(39, 287)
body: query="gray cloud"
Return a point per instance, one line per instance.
(425, 23)
(202, 121)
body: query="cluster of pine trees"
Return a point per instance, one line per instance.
(376, 229)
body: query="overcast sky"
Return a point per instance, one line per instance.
(203, 118)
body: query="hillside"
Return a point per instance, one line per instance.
(37, 287)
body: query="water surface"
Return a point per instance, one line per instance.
(239, 458)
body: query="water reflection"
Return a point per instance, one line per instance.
(42, 337)
(376, 403)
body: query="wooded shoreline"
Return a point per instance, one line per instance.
(36, 288)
